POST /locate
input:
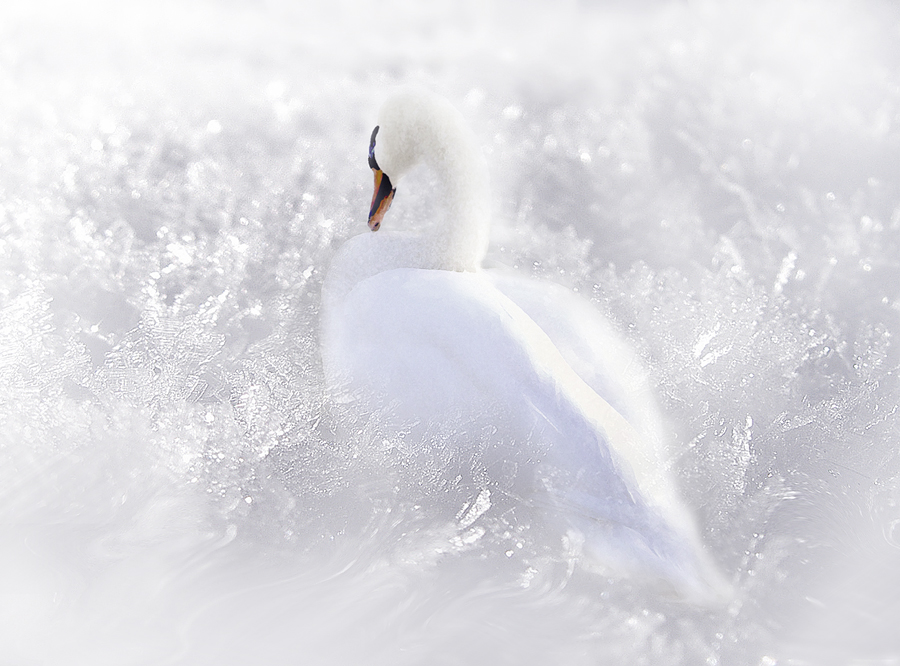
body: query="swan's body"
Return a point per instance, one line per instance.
(412, 322)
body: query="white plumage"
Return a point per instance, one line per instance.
(412, 322)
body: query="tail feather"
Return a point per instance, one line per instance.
(630, 539)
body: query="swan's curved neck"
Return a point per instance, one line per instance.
(460, 241)
(426, 129)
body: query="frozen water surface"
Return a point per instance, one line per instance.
(721, 179)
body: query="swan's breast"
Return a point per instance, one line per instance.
(433, 341)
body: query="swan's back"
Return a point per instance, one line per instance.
(437, 346)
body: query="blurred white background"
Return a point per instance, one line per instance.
(721, 179)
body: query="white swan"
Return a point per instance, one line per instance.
(411, 321)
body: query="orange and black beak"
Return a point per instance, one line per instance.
(381, 200)
(384, 191)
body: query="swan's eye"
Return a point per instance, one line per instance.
(372, 163)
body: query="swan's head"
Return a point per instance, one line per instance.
(397, 141)
(415, 126)
(384, 190)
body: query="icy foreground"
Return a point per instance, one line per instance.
(722, 182)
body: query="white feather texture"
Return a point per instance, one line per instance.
(412, 323)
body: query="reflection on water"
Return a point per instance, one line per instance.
(721, 181)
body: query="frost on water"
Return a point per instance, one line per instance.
(720, 180)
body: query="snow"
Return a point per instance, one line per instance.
(720, 179)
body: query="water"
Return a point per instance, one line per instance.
(722, 181)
